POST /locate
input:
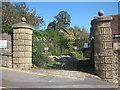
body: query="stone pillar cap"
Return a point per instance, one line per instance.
(101, 19)
(22, 24)
(100, 13)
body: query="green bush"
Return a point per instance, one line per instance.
(54, 65)
(77, 55)
(39, 60)
(86, 53)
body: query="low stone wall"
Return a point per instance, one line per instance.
(6, 53)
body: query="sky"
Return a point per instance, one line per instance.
(81, 12)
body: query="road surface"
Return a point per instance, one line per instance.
(17, 79)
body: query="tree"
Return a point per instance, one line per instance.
(12, 13)
(52, 25)
(71, 38)
(76, 31)
(63, 19)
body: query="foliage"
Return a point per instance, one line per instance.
(59, 43)
(12, 13)
(63, 19)
(38, 58)
(77, 55)
(52, 25)
(71, 39)
(81, 36)
(47, 38)
(54, 65)
(87, 53)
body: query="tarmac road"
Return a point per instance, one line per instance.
(17, 79)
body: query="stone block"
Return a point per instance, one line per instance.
(25, 60)
(28, 31)
(105, 38)
(18, 31)
(103, 24)
(106, 31)
(109, 74)
(28, 48)
(27, 66)
(22, 48)
(108, 59)
(96, 58)
(22, 31)
(108, 66)
(28, 42)
(28, 37)
(97, 66)
(105, 67)
(6, 61)
(22, 66)
(105, 52)
(6, 52)
(99, 59)
(103, 45)
(21, 36)
(18, 48)
(102, 74)
(107, 45)
(95, 52)
(115, 75)
(28, 54)
(15, 60)
(98, 44)
(18, 54)
(22, 60)
(5, 36)
(18, 42)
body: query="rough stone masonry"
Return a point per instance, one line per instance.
(22, 45)
(105, 30)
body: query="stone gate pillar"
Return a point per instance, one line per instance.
(22, 45)
(101, 27)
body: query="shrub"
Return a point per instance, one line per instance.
(77, 55)
(86, 53)
(39, 59)
(54, 65)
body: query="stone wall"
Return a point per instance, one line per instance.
(116, 62)
(116, 46)
(115, 67)
(6, 53)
